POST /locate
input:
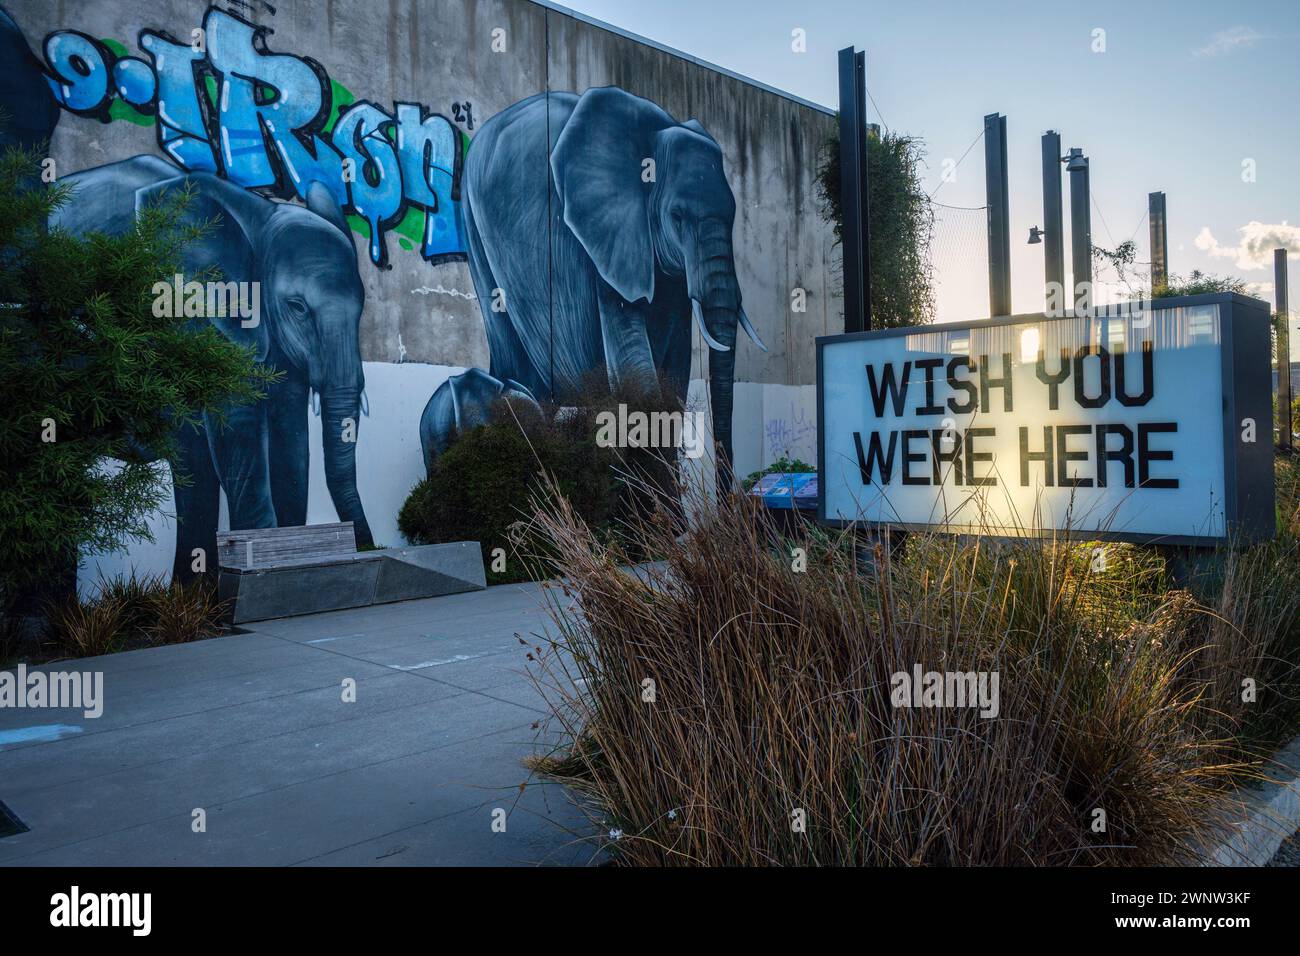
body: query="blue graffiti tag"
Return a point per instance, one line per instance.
(225, 104)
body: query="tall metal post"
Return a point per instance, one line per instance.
(1283, 349)
(999, 214)
(1080, 227)
(1159, 241)
(854, 189)
(1053, 219)
(860, 87)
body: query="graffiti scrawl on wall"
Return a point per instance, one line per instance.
(224, 103)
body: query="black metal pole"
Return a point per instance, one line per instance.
(996, 189)
(1080, 227)
(864, 170)
(852, 199)
(1159, 241)
(1283, 349)
(1053, 220)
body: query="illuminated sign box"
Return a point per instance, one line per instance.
(1144, 422)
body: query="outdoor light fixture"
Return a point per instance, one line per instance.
(1075, 161)
(1036, 235)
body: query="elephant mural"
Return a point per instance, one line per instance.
(29, 111)
(598, 229)
(460, 404)
(640, 217)
(311, 299)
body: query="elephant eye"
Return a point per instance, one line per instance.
(297, 305)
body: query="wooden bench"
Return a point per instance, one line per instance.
(283, 572)
(282, 547)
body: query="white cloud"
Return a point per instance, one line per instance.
(1229, 40)
(1255, 244)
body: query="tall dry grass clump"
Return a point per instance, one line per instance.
(182, 613)
(728, 706)
(87, 629)
(129, 612)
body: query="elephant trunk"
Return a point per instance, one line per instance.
(340, 424)
(722, 380)
(711, 278)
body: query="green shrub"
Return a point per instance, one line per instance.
(86, 365)
(477, 489)
(782, 466)
(1199, 283)
(901, 225)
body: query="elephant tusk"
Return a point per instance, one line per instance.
(365, 404)
(315, 402)
(699, 320)
(753, 333)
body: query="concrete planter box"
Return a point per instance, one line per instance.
(355, 580)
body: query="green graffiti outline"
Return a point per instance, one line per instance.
(411, 226)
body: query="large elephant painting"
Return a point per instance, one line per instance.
(639, 216)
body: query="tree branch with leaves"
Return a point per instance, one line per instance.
(94, 382)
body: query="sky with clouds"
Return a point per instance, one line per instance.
(1195, 98)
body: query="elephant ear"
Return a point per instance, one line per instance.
(322, 201)
(597, 164)
(236, 216)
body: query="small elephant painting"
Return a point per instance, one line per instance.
(639, 217)
(301, 261)
(311, 298)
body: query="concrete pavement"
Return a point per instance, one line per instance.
(253, 730)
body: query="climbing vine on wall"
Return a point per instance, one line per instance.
(901, 220)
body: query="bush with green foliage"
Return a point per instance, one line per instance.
(1122, 261)
(479, 488)
(901, 221)
(476, 490)
(782, 466)
(1199, 283)
(89, 374)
